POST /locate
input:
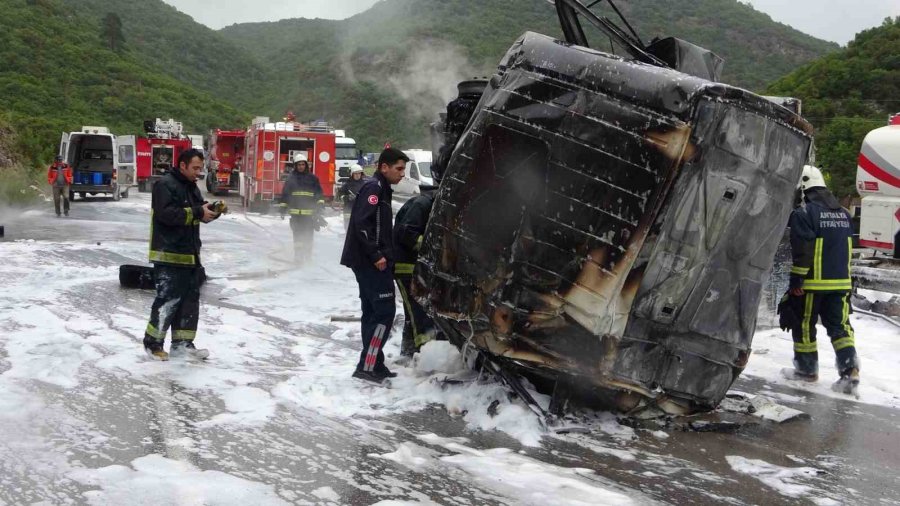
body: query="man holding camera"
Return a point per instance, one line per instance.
(177, 210)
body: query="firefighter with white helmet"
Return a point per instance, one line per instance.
(820, 284)
(350, 189)
(302, 198)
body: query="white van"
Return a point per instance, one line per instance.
(100, 161)
(418, 172)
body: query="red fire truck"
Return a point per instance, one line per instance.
(157, 152)
(269, 147)
(226, 159)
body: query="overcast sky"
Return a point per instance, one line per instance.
(836, 20)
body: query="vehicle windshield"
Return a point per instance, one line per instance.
(424, 168)
(345, 153)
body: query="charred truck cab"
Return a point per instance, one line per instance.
(605, 224)
(101, 162)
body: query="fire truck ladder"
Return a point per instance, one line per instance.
(270, 173)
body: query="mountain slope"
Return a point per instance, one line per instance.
(159, 36)
(845, 95)
(402, 58)
(56, 75)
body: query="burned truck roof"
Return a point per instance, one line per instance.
(610, 223)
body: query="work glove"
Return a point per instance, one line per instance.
(788, 318)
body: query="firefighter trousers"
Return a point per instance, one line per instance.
(834, 311)
(418, 326)
(376, 293)
(303, 228)
(61, 192)
(177, 304)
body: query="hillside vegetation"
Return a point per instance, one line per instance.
(384, 73)
(845, 95)
(56, 74)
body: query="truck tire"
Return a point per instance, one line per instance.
(117, 196)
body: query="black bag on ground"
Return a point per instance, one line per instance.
(142, 276)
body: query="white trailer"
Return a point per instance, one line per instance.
(878, 183)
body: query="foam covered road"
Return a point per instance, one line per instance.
(274, 417)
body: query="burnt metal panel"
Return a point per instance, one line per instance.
(612, 222)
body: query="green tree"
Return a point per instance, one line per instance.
(111, 32)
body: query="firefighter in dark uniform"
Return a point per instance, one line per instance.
(350, 189)
(409, 228)
(177, 209)
(301, 197)
(369, 251)
(821, 244)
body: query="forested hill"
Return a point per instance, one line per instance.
(381, 74)
(845, 95)
(59, 72)
(384, 72)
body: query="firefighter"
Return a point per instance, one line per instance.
(302, 198)
(820, 284)
(350, 189)
(368, 250)
(177, 209)
(409, 228)
(59, 176)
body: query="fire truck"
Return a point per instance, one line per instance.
(157, 152)
(226, 159)
(269, 148)
(878, 183)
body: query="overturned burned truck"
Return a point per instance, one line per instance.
(605, 224)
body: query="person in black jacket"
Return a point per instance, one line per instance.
(369, 251)
(350, 189)
(301, 197)
(177, 209)
(821, 245)
(409, 228)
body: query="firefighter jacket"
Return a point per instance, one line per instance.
(369, 233)
(349, 190)
(52, 173)
(409, 228)
(821, 244)
(302, 194)
(176, 209)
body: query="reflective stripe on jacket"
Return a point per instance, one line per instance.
(302, 194)
(821, 245)
(176, 209)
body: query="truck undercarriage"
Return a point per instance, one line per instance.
(605, 225)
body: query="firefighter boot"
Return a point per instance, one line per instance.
(186, 349)
(155, 349)
(849, 382)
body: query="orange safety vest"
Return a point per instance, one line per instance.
(67, 171)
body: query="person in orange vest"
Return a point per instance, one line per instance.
(59, 176)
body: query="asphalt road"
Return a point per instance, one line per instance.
(113, 417)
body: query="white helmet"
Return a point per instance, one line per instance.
(811, 178)
(300, 157)
(355, 168)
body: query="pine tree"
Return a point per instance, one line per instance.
(111, 32)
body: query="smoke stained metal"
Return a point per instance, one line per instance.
(605, 224)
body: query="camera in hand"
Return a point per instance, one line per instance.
(219, 206)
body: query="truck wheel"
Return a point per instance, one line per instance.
(116, 195)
